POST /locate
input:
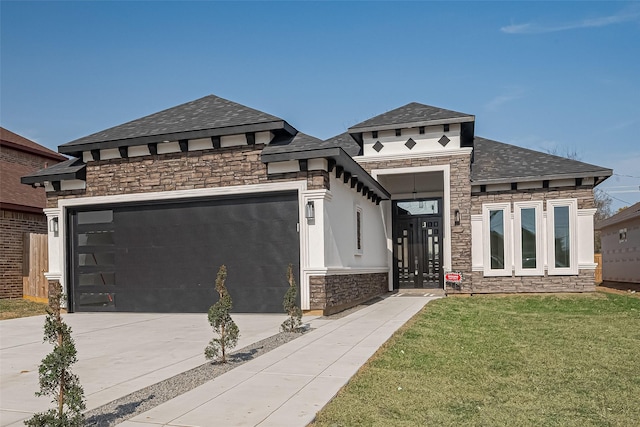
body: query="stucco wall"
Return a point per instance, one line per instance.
(340, 229)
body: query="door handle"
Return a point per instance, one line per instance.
(416, 265)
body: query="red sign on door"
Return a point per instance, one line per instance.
(453, 277)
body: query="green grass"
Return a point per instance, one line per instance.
(503, 361)
(14, 308)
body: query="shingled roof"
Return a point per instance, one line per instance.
(204, 117)
(496, 162)
(624, 215)
(17, 142)
(411, 115)
(303, 142)
(70, 169)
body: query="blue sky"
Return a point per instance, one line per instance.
(559, 76)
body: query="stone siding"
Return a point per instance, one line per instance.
(224, 167)
(13, 226)
(584, 195)
(460, 194)
(335, 293)
(583, 282)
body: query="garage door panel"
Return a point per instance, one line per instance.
(167, 255)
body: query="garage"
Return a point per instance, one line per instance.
(163, 257)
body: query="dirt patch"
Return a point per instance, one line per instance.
(620, 288)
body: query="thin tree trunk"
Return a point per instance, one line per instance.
(224, 357)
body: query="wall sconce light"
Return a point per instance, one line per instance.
(310, 210)
(53, 226)
(456, 217)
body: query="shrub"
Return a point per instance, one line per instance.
(54, 372)
(290, 304)
(221, 321)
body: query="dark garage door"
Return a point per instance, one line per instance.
(164, 257)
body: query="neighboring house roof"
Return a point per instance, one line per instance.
(13, 195)
(17, 142)
(496, 162)
(204, 117)
(411, 115)
(627, 214)
(70, 169)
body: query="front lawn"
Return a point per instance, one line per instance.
(567, 360)
(14, 308)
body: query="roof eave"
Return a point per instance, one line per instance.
(405, 125)
(600, 174)
(340, 157)
(76, 149)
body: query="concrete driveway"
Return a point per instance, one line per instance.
(118, 353)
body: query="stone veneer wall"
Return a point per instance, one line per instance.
(583, 282)
(13, 226)
(335, 293)
(460, 195)
(183, 171)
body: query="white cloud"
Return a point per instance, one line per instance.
(603, 21)
(498, 101)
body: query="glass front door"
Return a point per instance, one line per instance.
(417, 244)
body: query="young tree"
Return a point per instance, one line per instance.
(221, 321)
(290, 304)
(54, 373)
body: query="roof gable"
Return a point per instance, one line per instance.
(497, 162)
(411, 115)
(192, 119)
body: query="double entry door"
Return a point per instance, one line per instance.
(418, 244)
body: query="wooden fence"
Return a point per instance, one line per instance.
(35, 262)
(597, 258)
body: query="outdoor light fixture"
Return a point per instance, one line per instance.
(456, 217)
(310, 210)
(53, 226)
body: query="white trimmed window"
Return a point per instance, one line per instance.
(561, 237)
(358, 228)
(496, 224)
(528, 239)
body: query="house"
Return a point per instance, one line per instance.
(148, 210)
(620, 236)
(20, 206)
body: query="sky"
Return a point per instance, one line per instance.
(551, 76)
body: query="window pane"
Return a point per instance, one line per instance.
(95, 238)
(95, 217)
(95, 279)
(528, 229)
(561, 236)
(97, 258)
(496, 227)
(359, 230)
(418, 207)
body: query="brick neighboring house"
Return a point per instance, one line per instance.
(149, 209)
(21, 207)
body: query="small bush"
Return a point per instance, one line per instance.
(54, 374)
(290, 304)
(221, 321)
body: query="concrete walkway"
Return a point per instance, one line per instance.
(289, 385)
(118, 353)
